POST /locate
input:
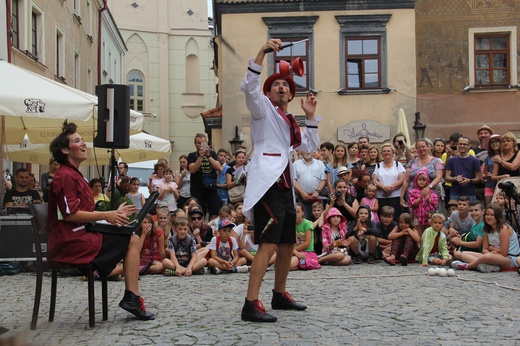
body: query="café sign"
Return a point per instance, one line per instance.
(377, 132)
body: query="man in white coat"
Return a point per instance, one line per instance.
(269, 199)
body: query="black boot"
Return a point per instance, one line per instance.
(255, 312)
(135, 305)
(284, 301)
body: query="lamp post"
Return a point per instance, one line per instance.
(235, 142)
(418, 126)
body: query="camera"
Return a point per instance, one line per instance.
(338, 194)
(508, 187)
(401, 142)
(453, 147)
(250, 227)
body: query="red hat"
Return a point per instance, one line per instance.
(273, 77)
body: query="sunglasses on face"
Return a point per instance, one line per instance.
(198, 218)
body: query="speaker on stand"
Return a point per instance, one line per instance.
(113, 124)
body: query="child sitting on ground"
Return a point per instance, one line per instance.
(420, 202)
(434, 249)
(385, 225)
(362, 235)
(318, 215)
(473, 240)
(223, 251)
(334, 241)
(405, 240)
(183, 259)
(152, 250)
(304, 248)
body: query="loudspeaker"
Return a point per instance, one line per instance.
(113, 116)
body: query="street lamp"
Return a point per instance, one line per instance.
(418, 126)
(235, 142)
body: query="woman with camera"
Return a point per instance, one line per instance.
(507, 163)
(345, 202)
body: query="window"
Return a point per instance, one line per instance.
(34, 33)
(299, 50)
(60, 52)
(15, 23)
(37, 35)
(363, 62)
(136, 83)
(363, 55)
(491, 59)
(89, 20)
(291, 30)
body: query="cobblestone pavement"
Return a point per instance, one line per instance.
(359, 305)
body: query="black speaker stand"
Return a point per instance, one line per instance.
(113, 172)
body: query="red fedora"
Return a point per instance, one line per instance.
(273, 77)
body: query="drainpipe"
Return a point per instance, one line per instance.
(8, 6)
(100, 43)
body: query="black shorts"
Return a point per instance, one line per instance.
(275, 217)
(113, 250)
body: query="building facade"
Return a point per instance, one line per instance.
(359, 59)
(168, 66)
(467, 65)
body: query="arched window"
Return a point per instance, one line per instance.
(136, 83)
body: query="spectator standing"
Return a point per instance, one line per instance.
(204, 165)
(389, 177)
(222, 188)
(183, 181)
(46, 179)
(507, 164)
(463, 171)
(310, 180)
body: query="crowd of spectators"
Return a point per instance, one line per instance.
(429, 202)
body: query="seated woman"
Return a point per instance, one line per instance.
(71, 205)
(500, 249)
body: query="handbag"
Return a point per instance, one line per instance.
(310, 261)
(236, 194)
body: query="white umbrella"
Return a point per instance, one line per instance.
(402, 126)
(142, 147)
(37, 106)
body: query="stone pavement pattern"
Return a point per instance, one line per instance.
(355, 305)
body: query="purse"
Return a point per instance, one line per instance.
(236, 194)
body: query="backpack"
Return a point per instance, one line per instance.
(230, 242)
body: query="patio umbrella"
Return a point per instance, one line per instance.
(37, 106)
(142, 147)
(402, 126)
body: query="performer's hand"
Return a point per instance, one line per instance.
(309, 105)
(127, 209)
(116, 218)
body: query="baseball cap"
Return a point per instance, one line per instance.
(196, 211)
(225, 223)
